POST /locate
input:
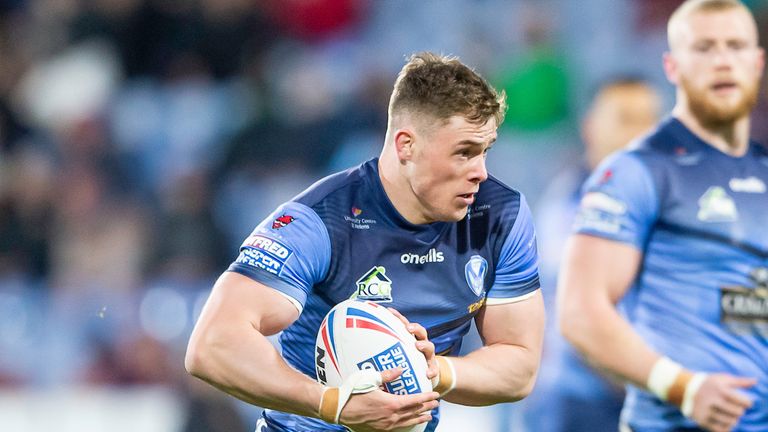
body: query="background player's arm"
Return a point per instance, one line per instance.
(595, 275)
(505, 368)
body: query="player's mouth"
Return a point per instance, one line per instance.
(724, 87)
(468, 198)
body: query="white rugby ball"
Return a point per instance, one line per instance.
(359, 335)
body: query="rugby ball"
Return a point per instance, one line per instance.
(359, 335)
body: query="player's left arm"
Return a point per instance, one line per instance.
(505, 368)
(511, 325)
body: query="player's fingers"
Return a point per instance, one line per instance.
(417, 330)
(400, 316)
(743, 382)
(737, 398)
(428, 349)
(729, 410)
(718, 422)
(414, 420)
(390, 374)
(419, 401)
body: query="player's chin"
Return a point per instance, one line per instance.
(458, 214)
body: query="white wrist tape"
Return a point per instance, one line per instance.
(445, 381)
(690, 393)
(662, 376)
(674, 384)
(334, 399)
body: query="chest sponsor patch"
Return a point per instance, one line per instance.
(744, 310)
(717, 206)
(374, 285)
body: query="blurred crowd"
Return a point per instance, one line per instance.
(142, 140)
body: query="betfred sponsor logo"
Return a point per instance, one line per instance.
(256, 258)
(432, 256)
(272, 246)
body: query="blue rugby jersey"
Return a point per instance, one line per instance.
(343, 238)
(699, 216)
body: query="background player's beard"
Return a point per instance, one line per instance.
(712, 113)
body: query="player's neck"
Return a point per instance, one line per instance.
(730, 138)
(398, 191)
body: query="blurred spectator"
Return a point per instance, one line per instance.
(188, 244)
(536, 82)
(26, 209)
(209, 410)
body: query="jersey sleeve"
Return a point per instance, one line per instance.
(289, 251)
(517, 272)
(619, 201)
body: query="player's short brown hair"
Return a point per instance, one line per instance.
(442, 87)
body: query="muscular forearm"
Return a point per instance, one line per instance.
(243, 363)
(607, 340)
(494, 374)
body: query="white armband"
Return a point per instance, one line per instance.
(672, 383)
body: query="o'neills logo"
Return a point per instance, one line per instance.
(433, 256)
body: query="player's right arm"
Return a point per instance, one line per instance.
(229, 350)
(597, 270)
(228, 347)
(261, 295)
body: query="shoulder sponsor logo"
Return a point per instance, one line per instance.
(374, 285)
(272, 246)
(716, 206)
(603, 202)
(264, 253)
(474, 272)
(432, 256)
(748, 185)
(282, 221)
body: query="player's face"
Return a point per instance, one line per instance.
(447, 167)
(717, 64)
(619, 115)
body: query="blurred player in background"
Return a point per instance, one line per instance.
(570, 396)
(423, 229)
(680, 222)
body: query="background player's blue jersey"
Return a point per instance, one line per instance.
(700, 217)
(343, 238)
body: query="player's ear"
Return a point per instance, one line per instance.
(404, 140)
(670, 67)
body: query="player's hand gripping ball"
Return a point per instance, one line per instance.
(361, 335)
